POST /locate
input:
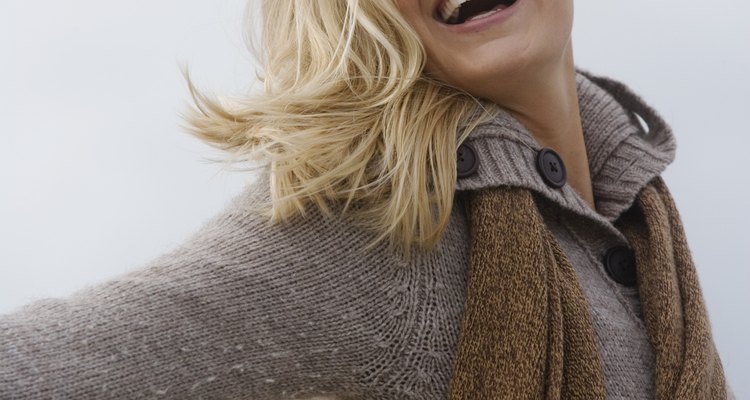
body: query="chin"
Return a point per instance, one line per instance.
(473, 72)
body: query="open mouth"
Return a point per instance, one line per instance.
(456, 12)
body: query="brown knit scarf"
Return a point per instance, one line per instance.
(526, 331)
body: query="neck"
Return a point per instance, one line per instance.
(546, 103)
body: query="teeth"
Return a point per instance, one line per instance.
(449, 10)
(485, 14)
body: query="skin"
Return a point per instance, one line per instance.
(524, 64)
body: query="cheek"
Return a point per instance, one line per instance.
(410, 10)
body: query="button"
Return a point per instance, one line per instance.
(467, 161)
(551, 167)
(620, 265)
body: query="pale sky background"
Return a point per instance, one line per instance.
(97, 178)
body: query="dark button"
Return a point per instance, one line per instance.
(467, 161)
(551, 167)
(620, 265)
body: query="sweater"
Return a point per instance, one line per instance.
(526, 330)
(243, 309)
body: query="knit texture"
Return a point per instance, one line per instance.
(243, 309)
(687, 363)
(623, 156)
(526, 330)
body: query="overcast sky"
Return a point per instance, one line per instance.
(97, 177)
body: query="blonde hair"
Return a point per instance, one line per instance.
(347, 115)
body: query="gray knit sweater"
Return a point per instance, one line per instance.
(246, 310)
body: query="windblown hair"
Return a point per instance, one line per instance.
(347, 116)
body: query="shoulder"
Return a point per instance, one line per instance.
(239, 234)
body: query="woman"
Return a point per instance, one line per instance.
(447, 208)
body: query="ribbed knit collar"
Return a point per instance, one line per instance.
(623, 156)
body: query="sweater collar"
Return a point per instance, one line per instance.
(623, 154)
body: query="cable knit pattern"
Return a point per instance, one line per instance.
(247, 310)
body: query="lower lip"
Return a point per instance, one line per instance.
(483, 23)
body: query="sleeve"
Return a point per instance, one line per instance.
(221, 318)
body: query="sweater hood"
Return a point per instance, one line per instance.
(623, 154)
